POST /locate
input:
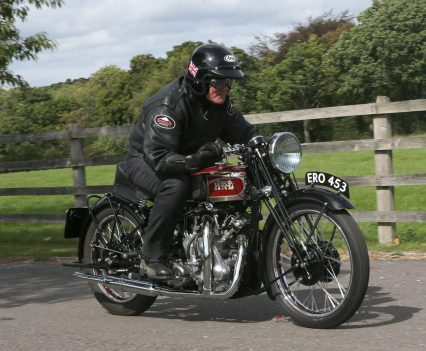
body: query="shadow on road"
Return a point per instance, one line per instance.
(379, 309)
(246, 310)
(25, 284)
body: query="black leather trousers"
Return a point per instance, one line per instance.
(169, 194)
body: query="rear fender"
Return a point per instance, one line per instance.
(78, 220)
(105, 202)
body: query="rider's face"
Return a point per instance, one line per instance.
(217, 95)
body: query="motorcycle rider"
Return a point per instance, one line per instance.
(176, 136)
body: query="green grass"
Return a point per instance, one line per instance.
(39, 241)
(45, 240)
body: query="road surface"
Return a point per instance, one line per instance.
(43, 308)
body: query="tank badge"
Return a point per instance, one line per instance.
(224, 185)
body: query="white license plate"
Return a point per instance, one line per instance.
(328, 180)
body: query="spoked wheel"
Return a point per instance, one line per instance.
(323, 282)
(107, 241)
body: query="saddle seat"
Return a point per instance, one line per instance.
(123, 187)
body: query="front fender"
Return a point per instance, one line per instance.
(335, 201)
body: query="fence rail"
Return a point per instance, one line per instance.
(382, 144)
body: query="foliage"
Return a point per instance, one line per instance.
(384, 55)
(327, 27)
(245, 90)
(326, 61)
(15, 47)
(110, 96)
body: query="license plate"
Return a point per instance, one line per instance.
(327, 180)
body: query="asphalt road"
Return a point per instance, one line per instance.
(43, 308)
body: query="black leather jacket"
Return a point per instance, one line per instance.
(175, 123)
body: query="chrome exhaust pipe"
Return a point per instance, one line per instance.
(123, 284)
(151, 289)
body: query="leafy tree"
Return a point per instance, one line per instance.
(110, 96)
(33, 110)
(326, 27)
(296, 82)
(141, 68)
(245, 90)
(15, 47)
(298, 78)
(385, 54)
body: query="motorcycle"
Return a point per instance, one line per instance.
(309, 254)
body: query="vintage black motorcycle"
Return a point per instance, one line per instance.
(310, 255)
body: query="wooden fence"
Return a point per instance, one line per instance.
(382, 144)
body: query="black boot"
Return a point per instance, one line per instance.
(157, 270)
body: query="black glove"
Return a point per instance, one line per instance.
(206, 156)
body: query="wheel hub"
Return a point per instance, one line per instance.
(322, 263)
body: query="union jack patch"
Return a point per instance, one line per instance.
(192, 69)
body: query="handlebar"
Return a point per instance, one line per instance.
(233, 149)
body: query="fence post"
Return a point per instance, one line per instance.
(383, 160)
(77, 158)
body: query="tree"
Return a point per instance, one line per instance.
(294, 60)
(33, 110)
(326, 27)
(110, 96)
(141, 69)
(297, 82)
(385, 54)
(245, 90)
(15, 47)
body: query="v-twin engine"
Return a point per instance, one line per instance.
(211, 239)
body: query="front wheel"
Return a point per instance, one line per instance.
(322, 282)
(115, 234)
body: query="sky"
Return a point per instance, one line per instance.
(91, 34)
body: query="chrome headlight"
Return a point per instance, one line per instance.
(285, 152)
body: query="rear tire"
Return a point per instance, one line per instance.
(97, 238)
(331, 287)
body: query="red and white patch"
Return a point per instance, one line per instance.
(164, 121)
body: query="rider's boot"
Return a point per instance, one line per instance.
(157, 270)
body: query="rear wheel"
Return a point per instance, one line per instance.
(112, 236)
(324, 282)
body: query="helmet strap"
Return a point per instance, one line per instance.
(198, 87)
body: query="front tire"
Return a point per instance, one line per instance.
(108, 234)
(325, 283)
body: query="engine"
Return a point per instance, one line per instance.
(206, 246)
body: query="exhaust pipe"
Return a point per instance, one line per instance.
(123, 284)
(151, 289)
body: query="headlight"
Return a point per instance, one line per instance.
(285, 152)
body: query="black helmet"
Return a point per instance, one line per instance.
(213, 61)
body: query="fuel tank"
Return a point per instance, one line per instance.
(223, 182)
